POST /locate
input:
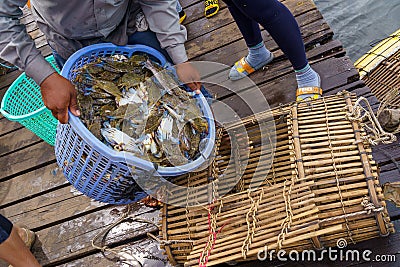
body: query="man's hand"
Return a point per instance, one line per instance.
(188, 74)
(58, 95)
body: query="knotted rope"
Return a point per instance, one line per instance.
(360, 114)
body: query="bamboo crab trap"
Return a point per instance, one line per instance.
(385, 78)
(322, 186)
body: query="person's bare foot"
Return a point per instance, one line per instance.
(16, 248)
(26, 235)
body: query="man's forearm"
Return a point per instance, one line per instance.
(16, 46)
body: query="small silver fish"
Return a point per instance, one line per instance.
(164, 131)
(121, 141)
(130, 98)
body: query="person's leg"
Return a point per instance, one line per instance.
(247, 26)
(12, 248)
(280, 24)
(283, 28)
(258, 55)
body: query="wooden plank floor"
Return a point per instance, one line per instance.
(34, 192)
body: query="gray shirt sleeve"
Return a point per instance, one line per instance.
(19, 49)
(16, 46)
(163, 20)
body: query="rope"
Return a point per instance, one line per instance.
(360, 114)
(368, 209)
(286, 223)
(335, 170)
(251, 227)
(212, 237)
(118, 252)
(212, 218)
(388, 99)
(168, 242)
(272, 167)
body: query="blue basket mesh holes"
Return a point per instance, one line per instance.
(99, 178)
(105, 53)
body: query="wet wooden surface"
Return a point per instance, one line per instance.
(34, 192)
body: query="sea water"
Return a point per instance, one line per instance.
(359, 24)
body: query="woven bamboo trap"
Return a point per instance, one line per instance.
(322, 186)
(385, 78)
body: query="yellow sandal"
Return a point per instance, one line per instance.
(242, 69)
(211, 8)
(182, 16)
(308, 93)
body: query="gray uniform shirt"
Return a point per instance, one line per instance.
(73, 24)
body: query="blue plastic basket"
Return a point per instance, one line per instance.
(98, 171)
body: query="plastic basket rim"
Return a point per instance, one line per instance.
(26, 116)
(128, 157)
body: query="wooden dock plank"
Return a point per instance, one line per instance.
(51, 208)
(60, 244)
(196, 11)
(199, 27)
(7, 126)
(209, 41)
(27, 159)
(282, 89)
(136, 248)
(6, 80)
(283, 68)
(67, 221)
(16, 140)
(31, 184)
(303, 13)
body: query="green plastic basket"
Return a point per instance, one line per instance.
(23, 103)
